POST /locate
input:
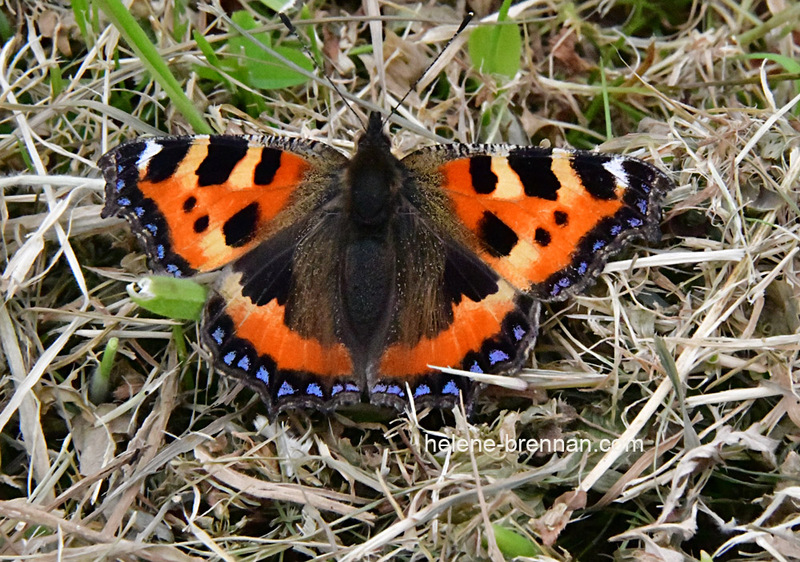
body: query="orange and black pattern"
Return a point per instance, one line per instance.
(350, 279)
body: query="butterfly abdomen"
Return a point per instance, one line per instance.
(367, 288)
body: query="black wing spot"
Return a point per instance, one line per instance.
(542, 237)
(189, 204)
(466, 275)
(163, 165)
(241, 227)
(267, 269)
(499, 238)
(223, 155)
(484, 180)
(266, 169)
(642, 178)
(201, 224)
(536, 174)
(561, 218)
(599, 182)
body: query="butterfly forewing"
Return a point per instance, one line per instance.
(546, 220)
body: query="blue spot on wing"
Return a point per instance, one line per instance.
(285, 389)
(395, 389)
(422, 390)
(244, 363)
(173, 269)
(450, 388)
(229, 357)
(475, 368)
(336, 389)
(218, 335)
(519, 332)
(123, 201)
(160, 252)
(313, 389)
(263, 375)
(497, 355)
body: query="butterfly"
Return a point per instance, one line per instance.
(349, 279)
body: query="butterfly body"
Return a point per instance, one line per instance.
(347, 279)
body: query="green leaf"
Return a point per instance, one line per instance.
(6, 30)
(180, 22)
(272, 74)
(136, 37)
(497, 49)
(181, 299)
(56, 80)
(213, 60)
(277, 5)
(512, 544)
(260, 68)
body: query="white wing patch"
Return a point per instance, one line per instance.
(614, 167)
(151, 148)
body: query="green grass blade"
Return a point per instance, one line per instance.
(100, 380)
(789, 64)
(80, 9)
(606, 103)
(141, 45)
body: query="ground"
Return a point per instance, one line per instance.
(683, 355)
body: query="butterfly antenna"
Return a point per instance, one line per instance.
(462, 27)
(307, 50)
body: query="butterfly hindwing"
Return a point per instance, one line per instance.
(453, 310)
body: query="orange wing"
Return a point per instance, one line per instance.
(546, 220)
(201, 202)
(540, 225)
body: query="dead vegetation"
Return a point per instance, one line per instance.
(685, 353)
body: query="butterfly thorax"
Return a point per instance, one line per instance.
(372, 180)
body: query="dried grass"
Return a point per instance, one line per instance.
(180, 465)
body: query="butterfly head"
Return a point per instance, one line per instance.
(374, 135)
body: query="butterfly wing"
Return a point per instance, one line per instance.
(546, 220)
(201, 202)
(254, 204)
(451, 310)
(275, 320)
(519, 225)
